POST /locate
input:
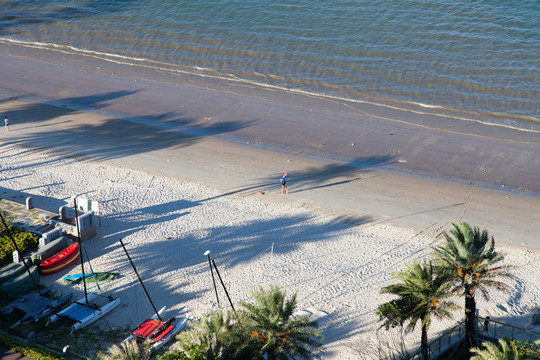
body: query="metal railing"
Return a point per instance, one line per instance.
(444, 342)
(494, 329)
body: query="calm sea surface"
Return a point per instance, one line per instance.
(471, 59)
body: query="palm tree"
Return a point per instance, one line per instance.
(218, 334)
(469, 257)
(274, 331)
(422, 293)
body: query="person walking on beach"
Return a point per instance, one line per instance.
(6, 121)
(284, 183)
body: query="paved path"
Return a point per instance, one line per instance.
(29, 219)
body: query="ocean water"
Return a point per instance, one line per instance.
(470, 59)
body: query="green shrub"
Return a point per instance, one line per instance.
(194, 352)
(25, 241)
(525, 347)
(30, 351)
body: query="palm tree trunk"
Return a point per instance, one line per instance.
(424, 343)
(470, 313)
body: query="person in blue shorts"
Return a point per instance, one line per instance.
(284, 183)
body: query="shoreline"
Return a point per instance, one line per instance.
(175, 73)
(361, 135)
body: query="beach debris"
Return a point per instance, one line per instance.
(353, 144)
(260, 193)
(289, 161)
(482, 169)
(403, 161)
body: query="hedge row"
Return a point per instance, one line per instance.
(25, 241)
(27, 350)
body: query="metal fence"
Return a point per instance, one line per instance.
(486, 328)
(447, 340)
(493, 329)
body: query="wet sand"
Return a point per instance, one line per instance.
(362, 135)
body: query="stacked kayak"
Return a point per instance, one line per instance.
(61, 260)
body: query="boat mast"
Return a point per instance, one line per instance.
(80, 248)
(140, 280)
(20, 253)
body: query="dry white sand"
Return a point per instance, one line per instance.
(337, 267)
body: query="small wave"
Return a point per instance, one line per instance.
(64, 48)
(427, 106)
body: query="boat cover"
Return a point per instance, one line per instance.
(153, 329)
(78, 312)
(13, 270)
(34, 306)
(100, 276)
(19, 285)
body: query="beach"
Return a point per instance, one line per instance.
(179, 168)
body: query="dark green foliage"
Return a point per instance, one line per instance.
(507, 349)
(528, 350)
(275, 334)
(393, 313)
(219, 333)
(192, 352)
(422, 293)
(25, 241)
(30, 351)
(263, 330)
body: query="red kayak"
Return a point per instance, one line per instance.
(61, 260)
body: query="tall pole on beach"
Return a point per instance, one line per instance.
(207, 253)
(140, 280)
(80, 247)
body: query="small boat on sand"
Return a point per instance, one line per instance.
(61, 260)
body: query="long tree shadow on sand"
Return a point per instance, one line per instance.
(328, 175)
(108, 138)
(231, 245)
(325, 176)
